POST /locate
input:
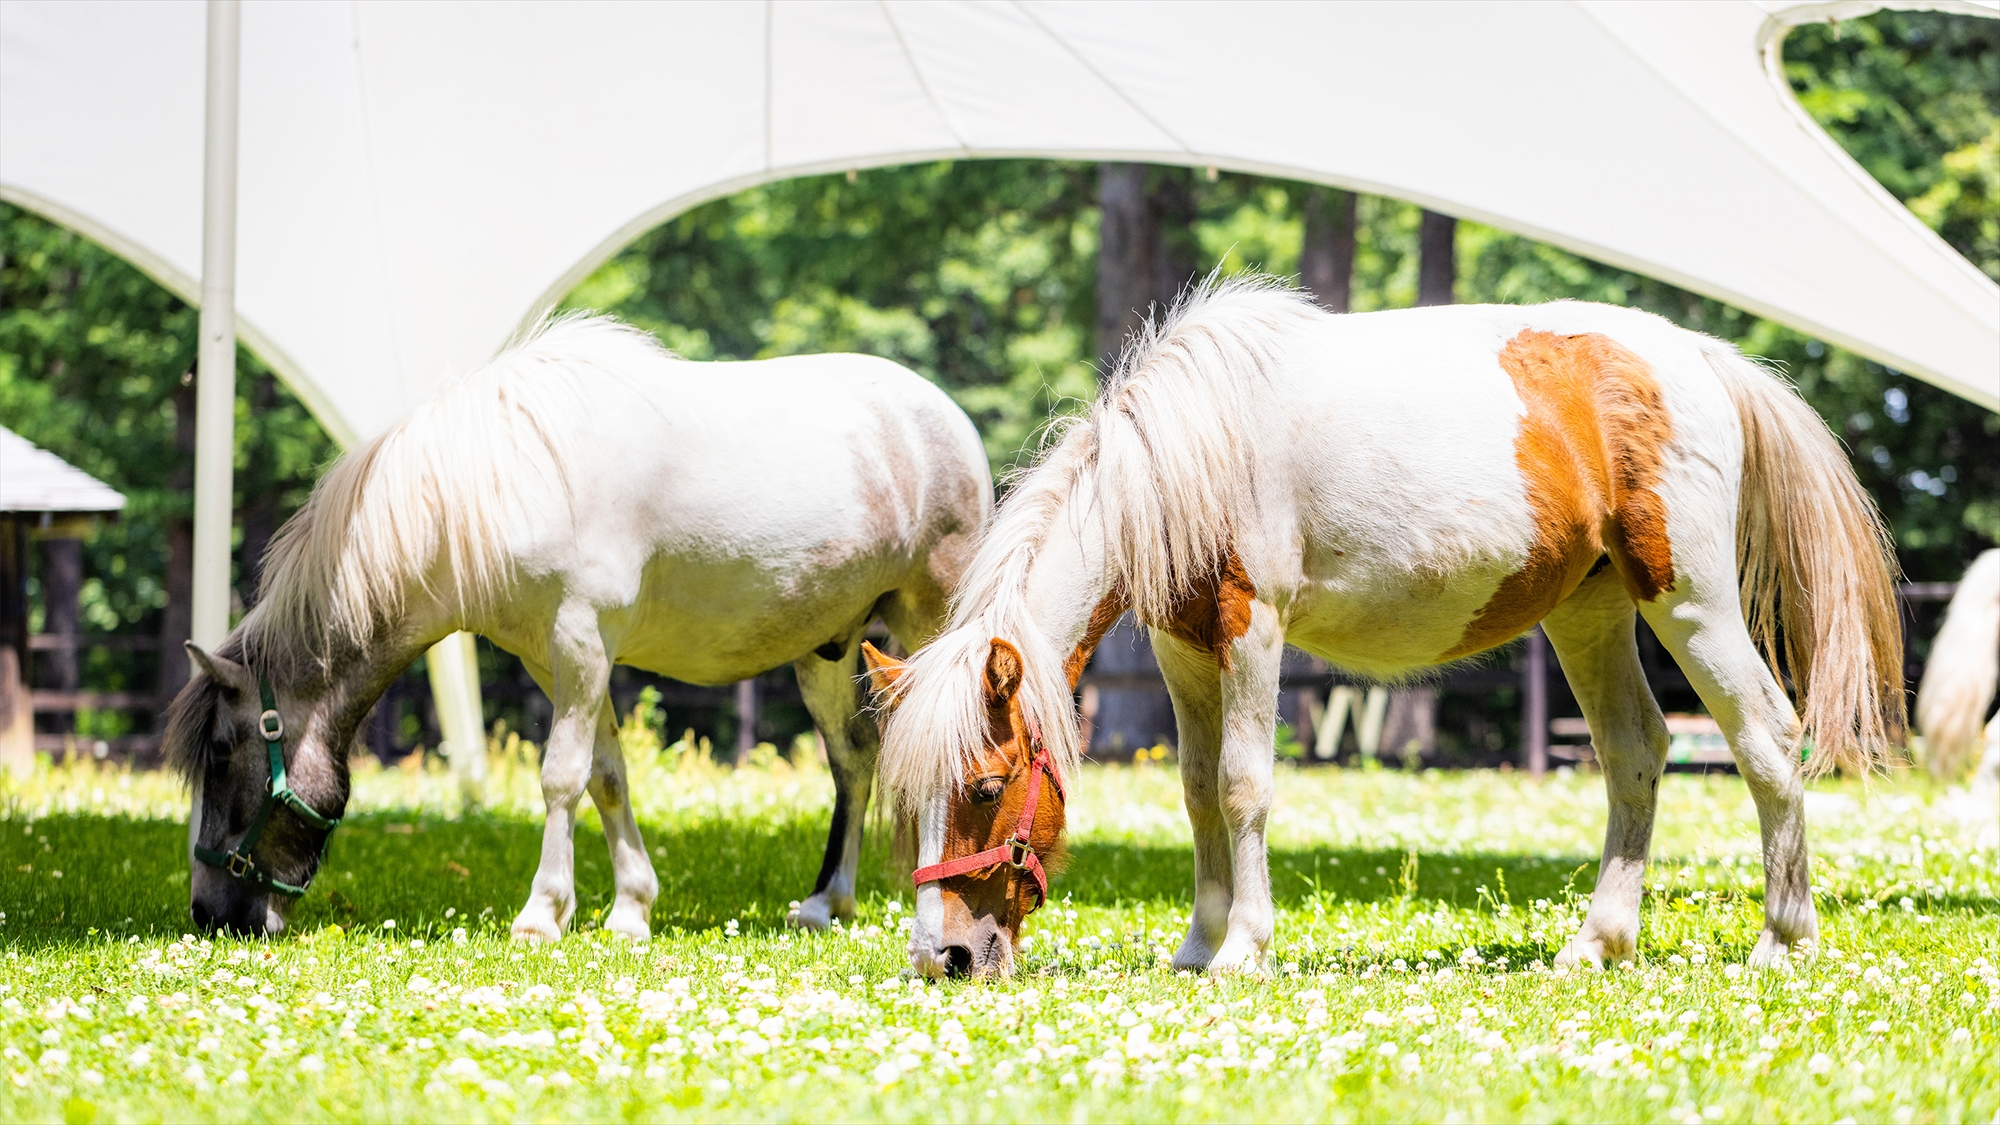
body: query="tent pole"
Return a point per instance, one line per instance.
(453, 664)
(215, 392)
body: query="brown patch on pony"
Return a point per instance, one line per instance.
(1216, 612)
(1102, 619)
(1590, 452)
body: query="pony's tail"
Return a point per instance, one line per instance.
(1960, 677)
(1817, 573)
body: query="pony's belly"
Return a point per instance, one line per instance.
(717, 625)
(1393, 632)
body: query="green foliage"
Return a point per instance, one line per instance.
(1416, 918)
(1913, 97)
(92, 357)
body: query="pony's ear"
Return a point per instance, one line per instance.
(227, 674)
(883, 671)
(1003, 671)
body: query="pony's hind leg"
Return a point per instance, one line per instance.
(631, 868)
(1701, 623)
(1593, 636)
(1194, 682)
(852, 743)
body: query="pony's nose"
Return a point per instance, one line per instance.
(957, 961)
(203, 917)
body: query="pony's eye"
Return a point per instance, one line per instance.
(988, 789)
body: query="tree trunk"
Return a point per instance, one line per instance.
(1125, 239)
(62, 582)
(1437, 264)
(1326, 258)
(177, 620)
(1171, 203)
(259, 517)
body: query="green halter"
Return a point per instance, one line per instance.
(238, 862)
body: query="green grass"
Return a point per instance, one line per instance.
(1417, 917)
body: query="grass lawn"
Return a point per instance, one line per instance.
(1417, 915)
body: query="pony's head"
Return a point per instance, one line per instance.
(990, 819)
(252, 848)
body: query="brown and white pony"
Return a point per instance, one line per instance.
(1396, 491)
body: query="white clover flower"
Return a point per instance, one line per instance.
(312, 1064)
(1820, 1063)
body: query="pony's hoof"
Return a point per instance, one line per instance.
(630, 920)
(538, 927)
(1595, 948)
(818, 912)
(1775, 953)
(1580, 954)
(1240, 957)
(1193, 956)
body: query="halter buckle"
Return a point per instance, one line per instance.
(1018, 853)
(239, 865)
(271, 725)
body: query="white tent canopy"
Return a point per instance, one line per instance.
(419, 179)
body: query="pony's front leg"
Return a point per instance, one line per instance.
(1194, 684)
(631, 868)
(1249, 732)
(578, 677)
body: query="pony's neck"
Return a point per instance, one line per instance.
(1071, 592)
(326, 689)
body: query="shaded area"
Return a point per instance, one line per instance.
(122, 876)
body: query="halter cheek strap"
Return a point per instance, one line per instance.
(1016, 852)
(237, 861)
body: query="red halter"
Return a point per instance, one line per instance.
(1016, 852)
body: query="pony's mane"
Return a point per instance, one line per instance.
(429, 503)
(1168, 453)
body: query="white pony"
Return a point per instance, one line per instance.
(1394, 491)
(587, 499)
(1959, 682)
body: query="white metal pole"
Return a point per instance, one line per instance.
(215, 391)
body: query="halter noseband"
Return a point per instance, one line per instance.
(1016, 853)
(237, 861)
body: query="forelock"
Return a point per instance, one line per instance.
(189, 743)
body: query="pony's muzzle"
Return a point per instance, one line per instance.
(219, 903)
(985, 949)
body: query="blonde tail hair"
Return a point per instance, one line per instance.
(1960, 677)
(1817, 573)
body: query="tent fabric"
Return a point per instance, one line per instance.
(419, 180)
